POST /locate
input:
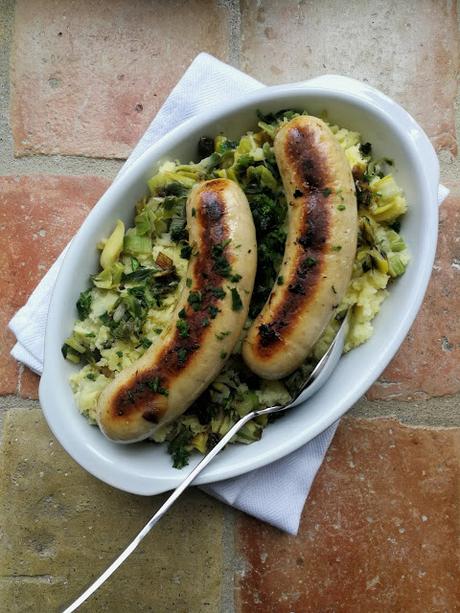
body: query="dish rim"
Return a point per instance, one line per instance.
(414, 138)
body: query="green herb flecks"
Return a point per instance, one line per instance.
(195, 300)
(84, 304)
(213, 310)
(237, 304)
(218, 292)
(221, 264)
(183, 327)
(221, 335)
(154, 384)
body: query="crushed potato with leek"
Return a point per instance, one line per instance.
(129, 303)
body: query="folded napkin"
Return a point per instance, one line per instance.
(277, 492)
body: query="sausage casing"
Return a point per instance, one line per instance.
(206, 324)
(319, 252)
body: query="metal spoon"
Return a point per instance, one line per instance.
(313, 382)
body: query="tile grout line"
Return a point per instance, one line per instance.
(450, 164)
(227, 600)
(6, 24)
(234, 13)
(435, 412)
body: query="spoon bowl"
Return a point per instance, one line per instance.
(323, 370)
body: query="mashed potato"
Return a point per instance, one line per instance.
(130, 302)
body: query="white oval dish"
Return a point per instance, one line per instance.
(146, 468)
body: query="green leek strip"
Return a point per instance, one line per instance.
(136, 245)
(113, 246)
(264, 175)
(75, 344)
(397, 265)
(395, 240)
(72, 357)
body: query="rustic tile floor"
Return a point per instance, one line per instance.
(79, 82)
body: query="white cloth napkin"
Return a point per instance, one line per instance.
(275, 493)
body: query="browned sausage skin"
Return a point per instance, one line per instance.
(319, 253)
(137, 393)
(170, 375)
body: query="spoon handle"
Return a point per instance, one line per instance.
(159, 514)
(193, 474)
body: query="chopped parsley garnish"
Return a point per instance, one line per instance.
(298, 193)
(268, 213)
(178, 448)
(186, 252)
(84, 304)
(336, 247)
(182, 314)
(91, 376)
(341, 207)
(146, 342)
(158, 330)
(221, 335)
(178, 229)
(280, 280)
(213, 310)
(221, 264)
(134, 264)
(155, 385)
(188, 282)
(311, 261)
(205, 146)
(120, 354)
(183, 328)
(193, 212)
(182, 355)
(296, 288)
(237, 305)
(365, 149)
(267, 334)
(235, 278)
(195, 300)
(326, 192)
(205, 322)
(223, 355)
(218, 292)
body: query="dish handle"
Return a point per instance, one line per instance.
(363, 90)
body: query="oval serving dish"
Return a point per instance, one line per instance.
(145, 468)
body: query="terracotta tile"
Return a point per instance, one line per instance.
(28, 384)
(407, 49)
(88, 77)
(428, 363)
(38, 215)
(378, 533)
(9, 367)
(61, 527)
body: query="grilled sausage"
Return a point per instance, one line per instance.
(319, 253)
(206, 324)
